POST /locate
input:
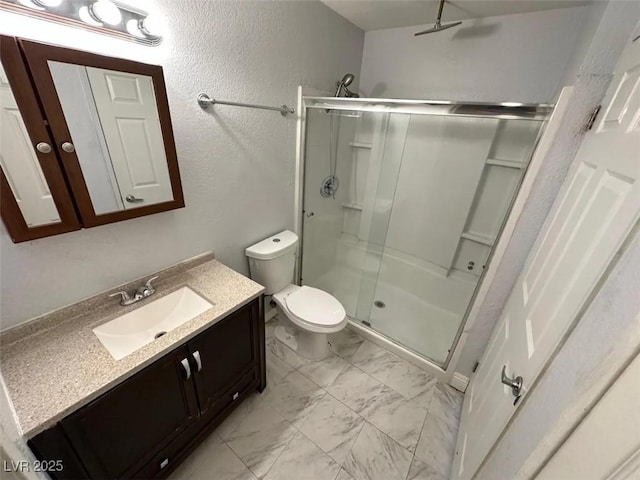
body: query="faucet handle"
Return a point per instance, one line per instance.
(125, 297)
(148, 284)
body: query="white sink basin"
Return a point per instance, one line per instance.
(133, 330)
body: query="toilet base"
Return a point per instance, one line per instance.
(312, 346)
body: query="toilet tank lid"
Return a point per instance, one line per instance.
(274, 246)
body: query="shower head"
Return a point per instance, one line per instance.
(341, 86)
(437, 27)
(347, 79)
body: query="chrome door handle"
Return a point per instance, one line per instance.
(187, 368)
(514, 383)
(132, 199)
(196, 357)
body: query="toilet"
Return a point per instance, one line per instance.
(311, 314)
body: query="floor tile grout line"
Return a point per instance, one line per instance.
(266, 405)
(421, 430)
(402, 360)
(283, 450)
(393, 440)
(312, 441)
(238, 457)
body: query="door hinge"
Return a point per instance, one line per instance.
(475, 367)
(592, 118)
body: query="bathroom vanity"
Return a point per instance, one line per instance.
(140, 416)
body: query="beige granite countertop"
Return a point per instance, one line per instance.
(55, 364)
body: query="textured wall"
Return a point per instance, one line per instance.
(237, 165)
(519, 58)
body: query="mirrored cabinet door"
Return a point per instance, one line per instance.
(35, 200)
(110, 120)
(115, 129)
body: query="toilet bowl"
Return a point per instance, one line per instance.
(310, 313)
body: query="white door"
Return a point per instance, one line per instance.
(597, 207)
(20, 163)
(126, 105)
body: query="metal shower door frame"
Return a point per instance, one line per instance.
(500, 111)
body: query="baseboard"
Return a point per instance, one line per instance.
(459, 382)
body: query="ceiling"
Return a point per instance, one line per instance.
(379, 14)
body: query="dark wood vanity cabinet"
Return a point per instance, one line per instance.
(118, 433)
(144, 427)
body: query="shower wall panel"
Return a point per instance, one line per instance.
(442, 163)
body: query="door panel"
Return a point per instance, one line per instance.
(226, 351)
(20, 163)
(128, 114)
(596, 209)
(35, 200)
(121, 431)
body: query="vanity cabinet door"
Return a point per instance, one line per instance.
(224, 356)
(122, 431)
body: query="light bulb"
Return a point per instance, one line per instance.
(87, 18)
(151, 26)
(133, 27)
(105, 11)
(30, 4)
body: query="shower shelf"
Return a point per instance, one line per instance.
(505, 163)
(478, 238)
(352, 206)
(360, 145)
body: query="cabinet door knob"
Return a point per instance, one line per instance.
(68, 147)
(187, 368)
(196, 357)
(43, 147)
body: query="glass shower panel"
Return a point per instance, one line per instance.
(332, 203)
(388, 137)
(420, 201)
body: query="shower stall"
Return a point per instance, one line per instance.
(401, 204)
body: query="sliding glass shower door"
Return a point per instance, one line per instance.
(401, 212)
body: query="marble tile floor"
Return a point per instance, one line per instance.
(361, 414)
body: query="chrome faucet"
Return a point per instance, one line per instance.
(141, 292)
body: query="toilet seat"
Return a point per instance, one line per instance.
(312, 309)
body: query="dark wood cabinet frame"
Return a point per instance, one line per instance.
(36, 128)
(26, 65)
(37, 56)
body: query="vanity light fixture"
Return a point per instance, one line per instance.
(108, 17)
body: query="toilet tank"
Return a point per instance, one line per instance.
(272, 261)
